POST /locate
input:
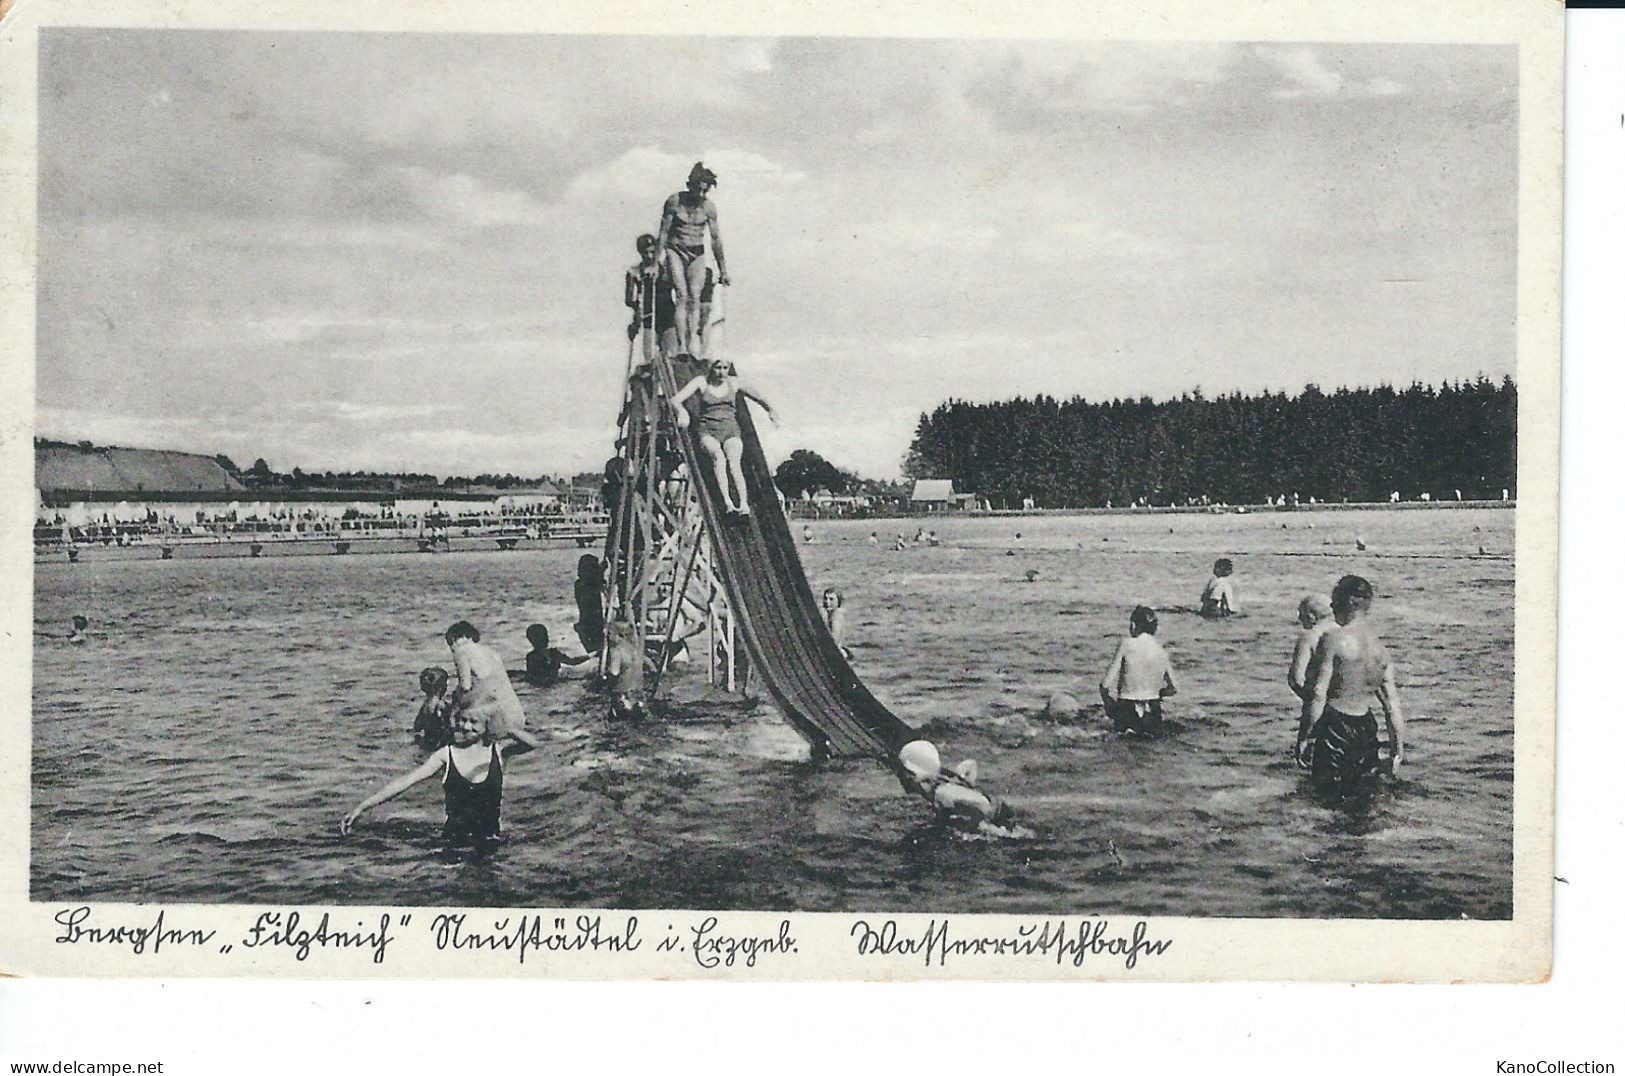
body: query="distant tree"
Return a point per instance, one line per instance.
(805, 471)
(226, 462)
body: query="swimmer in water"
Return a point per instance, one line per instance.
(1139, 677)
(1352, 674)
(1219, 596)
(470, 766)
(483, 687)
(623, 672)
(543, 662)
(432, 728)
(79, 629)
(835, 619)
(1315, 617)
(952, 794)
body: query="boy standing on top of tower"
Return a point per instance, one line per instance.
(649, 293)
(684, 221)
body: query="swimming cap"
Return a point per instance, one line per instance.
(647, 241)
(434, 675)
(920, 758)
(1314, 607)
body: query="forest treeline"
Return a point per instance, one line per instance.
(1358, 444)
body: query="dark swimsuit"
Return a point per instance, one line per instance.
(1142, 716)
(473, 811)
(718, 415)
(1345, 749)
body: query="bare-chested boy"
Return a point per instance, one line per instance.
(1352, 675)
(1315, 617)
(1139, 678)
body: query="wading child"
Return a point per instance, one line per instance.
(470, 766)
(1315, 617)
(543, 662)
(483, 688)
(623, 673)
(1139, 677)
(1337, 734)
(1219, 596)
(432, 729)
(589, 589)
(835, 619)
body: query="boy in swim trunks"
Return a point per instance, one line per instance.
(1219, 596)
(652, 298)
(684, 221)
(1352, 673)
(1139, 677)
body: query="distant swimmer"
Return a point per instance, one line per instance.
(685, 221)
(1353, 674)
(623, 673)
(835, 619)
(483, 688)
(1315, 617)
(432, 728)
(78, 628)
(1139, 677)
(719, 426)
(874, 537)
(589, 591)
(1219, 595)
(470, 765)
(543, 662)
(806, 533)
(952, 794)
(1062, 708)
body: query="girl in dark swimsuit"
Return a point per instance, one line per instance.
(717, 393)
(471, 772)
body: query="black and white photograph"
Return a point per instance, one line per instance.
(874, 475)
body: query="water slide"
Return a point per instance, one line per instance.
(777, 612)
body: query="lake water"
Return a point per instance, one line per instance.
(204, 743)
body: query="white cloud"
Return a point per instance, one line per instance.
(463, 198)
(1307, 75)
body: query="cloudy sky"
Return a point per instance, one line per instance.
(405, 251)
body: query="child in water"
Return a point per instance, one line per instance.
(470, 766)
(1139, 677)
(835, 619)
(543, 662)
(952, 794)
(1315, 617)
(1219, 596)
(623, 672)
(432, 729)
(590, 603)
(483, 688)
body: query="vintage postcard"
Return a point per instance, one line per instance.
(871, 493)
